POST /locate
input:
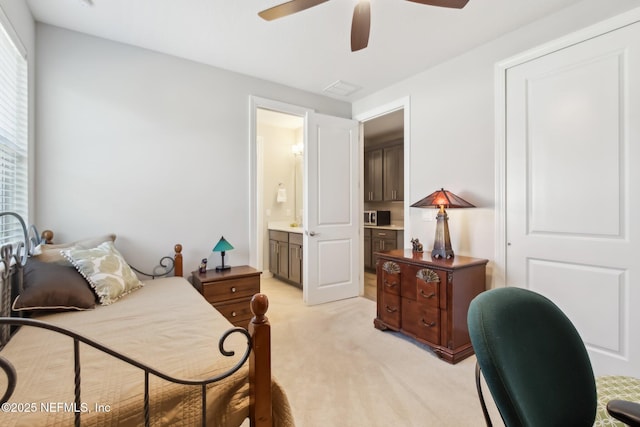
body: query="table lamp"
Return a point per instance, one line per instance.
(222, 246)
(442, 199)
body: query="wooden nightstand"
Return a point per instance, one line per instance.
(230, 291)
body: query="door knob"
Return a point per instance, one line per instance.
(311, 233)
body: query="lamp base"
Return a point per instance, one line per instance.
(222, 267)
(442, 242)
(441, 253)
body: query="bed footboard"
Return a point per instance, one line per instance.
(260, 407)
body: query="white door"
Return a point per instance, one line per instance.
(573, 189)
(331, 210)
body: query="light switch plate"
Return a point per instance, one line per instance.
(429, 215)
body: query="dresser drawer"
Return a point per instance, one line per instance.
(237, 312)
(389, 310)
(391, 277)
(244, 287)
(428, 285)
(281, 236)
(421, 321)
(428, 294)
(383, 234)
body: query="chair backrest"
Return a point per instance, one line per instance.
(532, 358)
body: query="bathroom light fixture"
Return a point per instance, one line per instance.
(297, 149)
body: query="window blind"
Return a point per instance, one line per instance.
(13, 135)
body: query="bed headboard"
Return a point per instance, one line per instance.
(13, 256)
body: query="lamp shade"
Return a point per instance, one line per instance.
(222, 245)
(442, 198)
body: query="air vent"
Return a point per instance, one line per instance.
(341, 88)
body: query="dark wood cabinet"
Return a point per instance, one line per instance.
(378, 240)
(383, 240)
(295, 258)
(230, 291)
(368, 259)
(285, 256)
(373, 187)
(279, 253)
(428, 299)
(393, 173)
(384, 173)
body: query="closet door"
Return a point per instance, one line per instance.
(573, 189)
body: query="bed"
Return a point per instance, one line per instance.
(155, 355)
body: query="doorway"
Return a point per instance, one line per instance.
(331, 215)
(385, 171)
(281, 145)
(280, 115)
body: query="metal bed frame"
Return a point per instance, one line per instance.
(13, 257)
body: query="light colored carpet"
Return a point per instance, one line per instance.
(338, 370)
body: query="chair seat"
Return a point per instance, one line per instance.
(614, 387)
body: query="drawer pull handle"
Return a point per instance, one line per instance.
(431, 295)
(391, 309)
(390, 285)
(429, 324)
(233, 290)
(233, 314)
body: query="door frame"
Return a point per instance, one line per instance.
(405, 104)
(256, 202)
(500, 81)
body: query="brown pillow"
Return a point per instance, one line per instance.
(53, 287)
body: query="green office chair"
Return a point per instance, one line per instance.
(537, 367)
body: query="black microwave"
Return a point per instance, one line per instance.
(377, 217)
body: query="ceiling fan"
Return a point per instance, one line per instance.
(361, 22)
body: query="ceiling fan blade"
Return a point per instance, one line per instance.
(288, 8)
(360, 25)
(455, 4)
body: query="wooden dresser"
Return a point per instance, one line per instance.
(428, 299)
(230, 291)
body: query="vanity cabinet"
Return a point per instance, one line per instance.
(285, 256)
(384, 173)
(279, 253)
(295, 258)
(428, 299)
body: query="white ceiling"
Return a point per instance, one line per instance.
(309, 50)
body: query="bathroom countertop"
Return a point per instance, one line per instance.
(284, 226)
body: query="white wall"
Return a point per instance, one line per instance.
(146, 145)
(452, 126)
(21, 23)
